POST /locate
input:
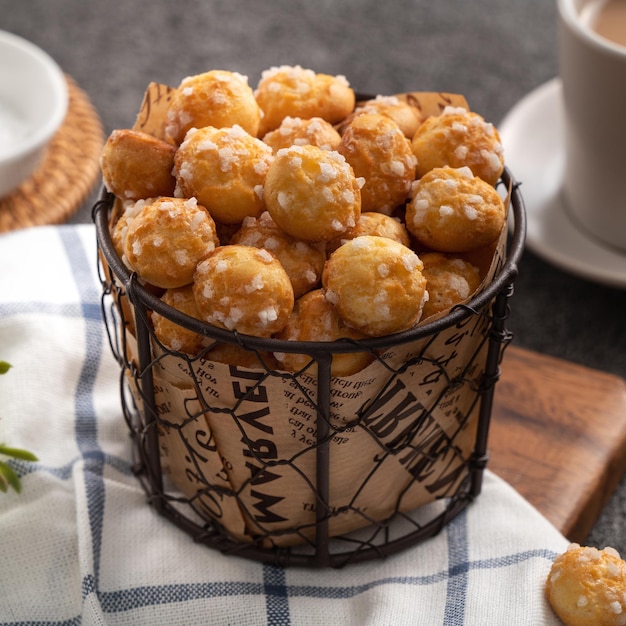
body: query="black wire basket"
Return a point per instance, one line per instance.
(183, 455)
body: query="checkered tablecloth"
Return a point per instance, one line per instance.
(80, 544)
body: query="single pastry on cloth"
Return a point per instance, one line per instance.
(376, 148)
(243, 288)
(303, 261)
(314, 318)
(449, 280)
(312, 194)
(295, 131)
(456, 138)
(173, 335)
(225, 169)
(216, 98)
(166, 239)
(587, 587)
(137, 165)
(376, 284)
(293, 91)
(452, 210)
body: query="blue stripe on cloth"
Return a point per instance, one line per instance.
(113, 602)
(75, 621)
(87, 310)
(137, 597)
(343, 592)
(458, 569)
(64, 472)
(276, 596)
(86, 429)
(274, 583)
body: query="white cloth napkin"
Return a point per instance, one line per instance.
(80, 544)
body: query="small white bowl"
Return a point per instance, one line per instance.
(33, 104)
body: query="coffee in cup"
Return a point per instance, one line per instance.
(607, 18)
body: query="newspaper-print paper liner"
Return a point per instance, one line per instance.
(241, 443)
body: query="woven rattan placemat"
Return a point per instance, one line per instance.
(67, 174)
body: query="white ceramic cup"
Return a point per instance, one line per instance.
(33, 104)
(593, 75)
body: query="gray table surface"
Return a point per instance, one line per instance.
(492, 51)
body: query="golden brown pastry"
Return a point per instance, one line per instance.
(292, 91)
(312, 194)
(245, 289)
(379, 152)
(217, 98)
(137, 165)
(130, 208)
(374, 223)
(587, 587)
(407, 117)
(454, 211)
(166, 239)
(225, 169)
(295, 131)
(449, 281)
(303, 261)
(459, 138)
(172, 335)
(314, 318)
(376, 284)
(118, 234)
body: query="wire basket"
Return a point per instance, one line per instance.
(189, 478)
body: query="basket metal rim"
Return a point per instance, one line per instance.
(135, 290)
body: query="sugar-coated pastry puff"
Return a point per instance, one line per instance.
(454, 211)
(457, 138)
(379, 152)
(587, 587)
(407, 117)
(312, 194)
(118, 234)
(245, 289)
(166, 239)
(295, 131)
(297, 92)
(449, 280)
(130, 209)
(374, 223)
(314, 318)
(171, 334)
(136, 165)
(225, 169)
(302, 260)
(376, 284)
(217, 98)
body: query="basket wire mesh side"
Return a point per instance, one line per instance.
(127, 307)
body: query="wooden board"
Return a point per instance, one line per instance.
(558, 436)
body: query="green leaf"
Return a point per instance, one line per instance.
(4, 367)
(9, 477)
(17, 453)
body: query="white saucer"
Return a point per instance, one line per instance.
(532, 136)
